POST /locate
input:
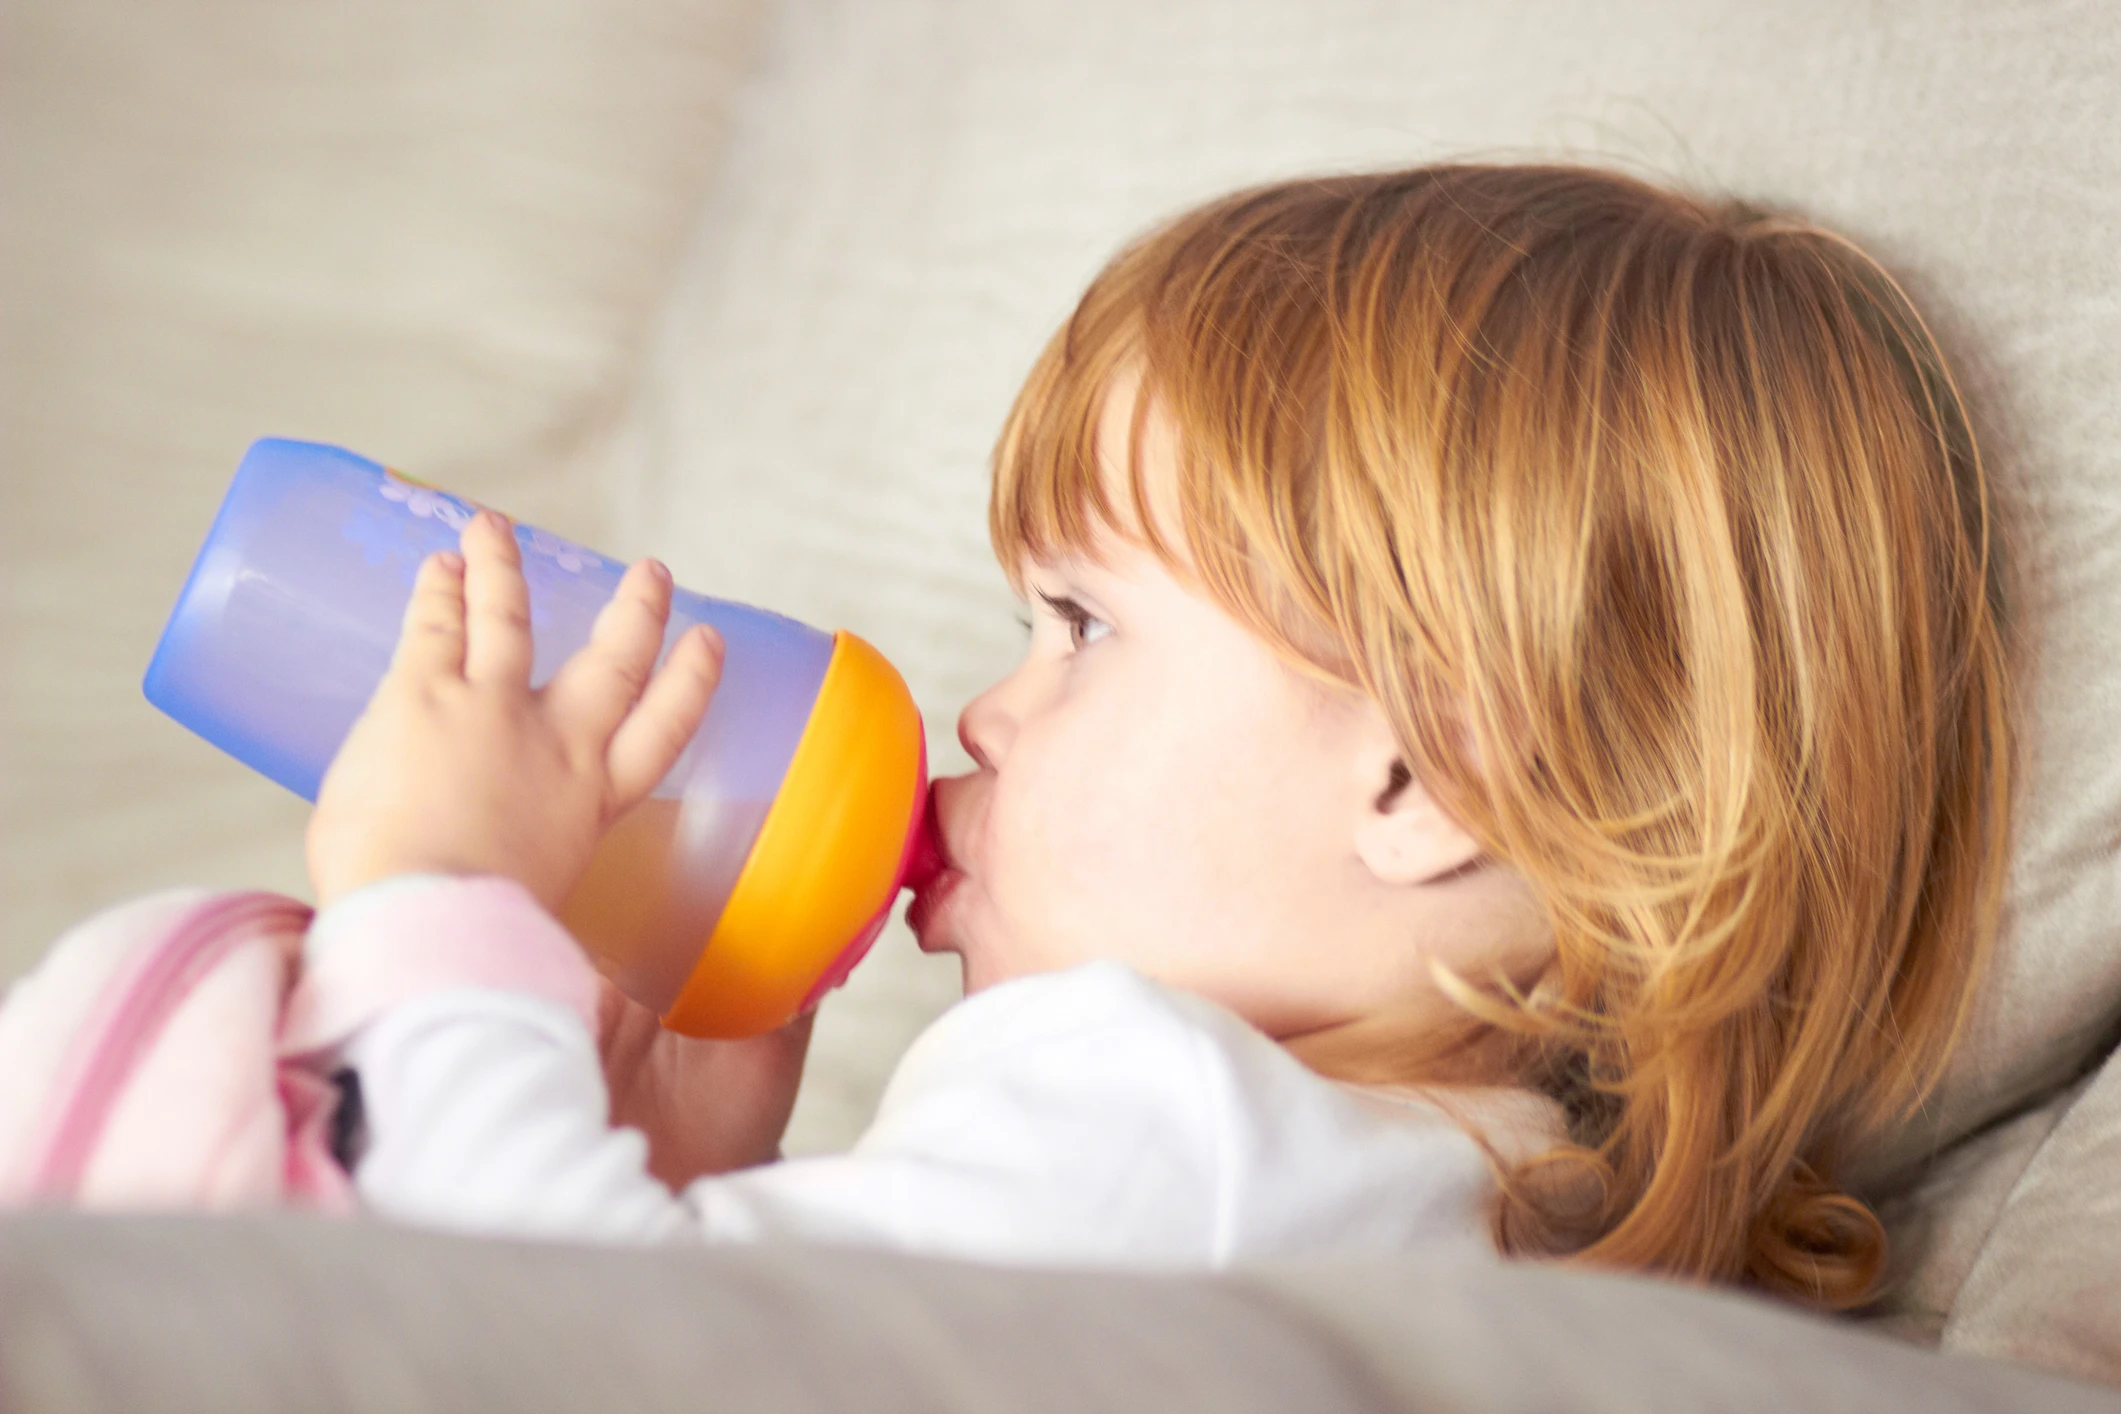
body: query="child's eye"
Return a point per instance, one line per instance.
(1084, 627)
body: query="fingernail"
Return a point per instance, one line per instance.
(450, 560)
(659, 570)
(494, 520)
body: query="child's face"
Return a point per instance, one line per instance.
(1155, 786)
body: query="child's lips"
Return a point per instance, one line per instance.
(940, 873)
(929, 898)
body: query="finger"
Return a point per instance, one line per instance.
(497, 645)
(625, 1029)
(594, 689)
(654, 734)
(431, 638)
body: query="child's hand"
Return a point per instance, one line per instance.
(458, 767)
(705, 1106)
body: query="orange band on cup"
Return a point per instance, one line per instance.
(827, 855)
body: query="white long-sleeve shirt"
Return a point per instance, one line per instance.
(1088, 1116)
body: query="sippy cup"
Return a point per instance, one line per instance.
(744, 888)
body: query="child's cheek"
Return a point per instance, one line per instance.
(1067, 840)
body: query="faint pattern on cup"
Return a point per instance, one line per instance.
(382, 543)
(564, 553)
(426, 501)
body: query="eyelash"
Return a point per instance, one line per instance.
(1077, 617)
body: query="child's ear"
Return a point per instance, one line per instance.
(1405, 837)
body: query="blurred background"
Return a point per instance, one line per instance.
(749, 284)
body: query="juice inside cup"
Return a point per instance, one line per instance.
(638, 915)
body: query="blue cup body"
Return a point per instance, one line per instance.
(292, 610)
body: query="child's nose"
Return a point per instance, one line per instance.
(985, 728)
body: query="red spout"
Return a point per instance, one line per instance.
(924, 855)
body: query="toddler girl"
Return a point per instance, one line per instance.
(1514, 748)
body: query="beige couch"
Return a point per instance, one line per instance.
(749, 285)
(277, 1315)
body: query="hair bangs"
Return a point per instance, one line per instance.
(1050, 497)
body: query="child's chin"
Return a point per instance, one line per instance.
(979, 971)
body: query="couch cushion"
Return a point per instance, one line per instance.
(2046, 1288)
(1520, 1336)
(917, 192)
(280, 1314)
(1939, 1223)
(153, 1315)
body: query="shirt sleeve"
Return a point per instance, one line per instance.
(484, 1111)
(1041, 1121)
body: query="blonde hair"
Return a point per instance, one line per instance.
(1671, 513)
